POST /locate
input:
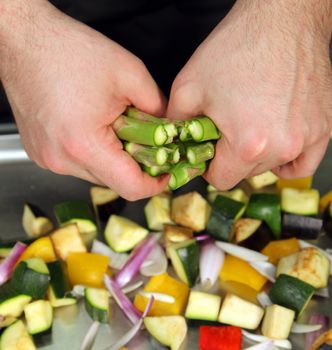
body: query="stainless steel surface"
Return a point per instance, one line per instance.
(22, 181)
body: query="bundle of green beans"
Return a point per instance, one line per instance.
(161, 146)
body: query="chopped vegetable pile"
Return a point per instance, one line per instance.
(161, 146)
(237, 265)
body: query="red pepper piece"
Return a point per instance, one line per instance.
(220, 338)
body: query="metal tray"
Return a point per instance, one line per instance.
(21, 180)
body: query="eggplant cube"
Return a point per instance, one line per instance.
(236, 311)
(191, 210)
(158, 212)
(277, 322)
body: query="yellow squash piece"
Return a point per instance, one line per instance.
(300, 184)
(276, 250)
(238, 270)
(41, 248)
(164, 284)
(325, 201)
(87, 269)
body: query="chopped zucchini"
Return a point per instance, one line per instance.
(35, 222)
(277, 322)
(191, 210)
(39, 316)
(158, 212)
(237, 194)
(239, 312)
(31, 277)
(122, 234)
(203, 306)
(97, 304)
(302, 202)
(4, 252)
(185, 260)
(67, 239)
(6, 321)
(79, 213)
(16, 337)
(225, 211)
(106, 202)
(301, 226)
(309, 265)
(291, 293)
(266, 206)
(12, 302)
(59, 291)
(262, 180)
(168, 330)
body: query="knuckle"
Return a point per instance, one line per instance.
(53, 163)
(75, 149)
(254, 148)
(290, 151)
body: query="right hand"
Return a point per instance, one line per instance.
(66, 84)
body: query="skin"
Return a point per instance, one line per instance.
(263, 75)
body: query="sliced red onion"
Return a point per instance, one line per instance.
(117, 260)
(267, 345)
(135, 261)
(90, 337)
(132, 332)
(165, 298)
(132, 287)
(305, 244)
(316, 319)
(8, 265)
(301, 328)
(210, 262)
(241, 252)
(266, 269)
(264, 299)
(156, 262)
(283, 343)
(322, 292)
(202, 237)
(124, 303)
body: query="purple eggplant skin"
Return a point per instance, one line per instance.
(301, 226)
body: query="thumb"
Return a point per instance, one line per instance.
(186, 101)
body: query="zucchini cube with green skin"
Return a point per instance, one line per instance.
(39, 316)
(158, 212)
(168, 330)
(31, 277)
(185, 260)
(12, 302)
(225, 211)
(191, 210)
(203, 306)
(16, 337)
(302, 202)
(237, 194)
(238, 312)
(277, 322)
(266, 206)
(122, 234)
(97, 304)
(292, 293)
(79, 213)
(309, 265)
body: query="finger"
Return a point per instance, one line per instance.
(227, 167)
(144, 94)
(306, 164)
(185, 101)
(109, 163)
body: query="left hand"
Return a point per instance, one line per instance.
(264, 77)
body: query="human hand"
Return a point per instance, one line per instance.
(264, 77)
(66, 84)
